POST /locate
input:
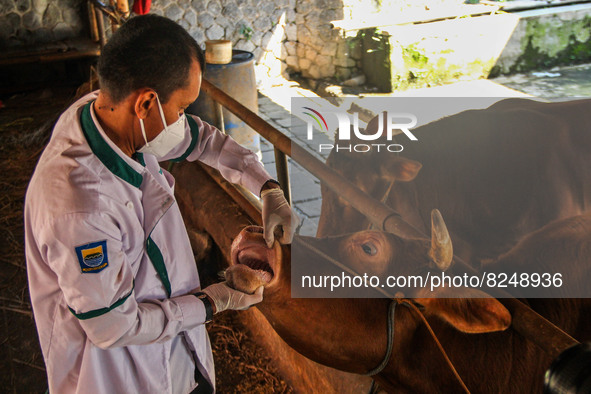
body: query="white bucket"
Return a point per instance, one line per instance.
(218, 51)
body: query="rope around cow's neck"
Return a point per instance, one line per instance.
(390, 339)
(390, 324)
(412, 306)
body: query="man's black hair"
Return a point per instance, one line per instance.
(148, 51)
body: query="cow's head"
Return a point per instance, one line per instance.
(375, 172)
(385, 255)
(381, 253)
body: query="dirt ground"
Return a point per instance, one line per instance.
(25, 121)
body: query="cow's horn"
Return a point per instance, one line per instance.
(441, 248)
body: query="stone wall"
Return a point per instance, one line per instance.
(286, 36)
(296, 36)
(26, 22)
(321, 51)
(251, 25)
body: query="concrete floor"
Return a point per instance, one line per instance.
(275, 107)
(558, 84)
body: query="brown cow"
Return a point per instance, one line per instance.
(350, 334)
(496, 174)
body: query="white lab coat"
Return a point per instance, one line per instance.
(105, 244)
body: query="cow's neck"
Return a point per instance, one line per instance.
(346, 334)
(416, 365)
(485, 362)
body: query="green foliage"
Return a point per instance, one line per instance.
(572, 45)
(246, 32)
(414, 55)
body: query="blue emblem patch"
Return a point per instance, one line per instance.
(92, 257)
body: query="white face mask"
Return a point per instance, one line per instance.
(169, 137)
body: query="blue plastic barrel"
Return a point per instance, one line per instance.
(237, 79)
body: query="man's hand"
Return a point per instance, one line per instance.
(225, 297)
(277, 213)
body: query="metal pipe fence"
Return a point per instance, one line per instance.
(526, 321)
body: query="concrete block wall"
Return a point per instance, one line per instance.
(547, 37)
(398, 57)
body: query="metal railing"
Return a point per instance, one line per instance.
(525, 320)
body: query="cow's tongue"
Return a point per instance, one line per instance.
(251, 258)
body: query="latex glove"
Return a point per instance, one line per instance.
(225, 297)
(276, 212)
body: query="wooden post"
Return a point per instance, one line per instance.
(101, 28)
(114, 23)
(94, 33)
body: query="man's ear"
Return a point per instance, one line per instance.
(146, 98)
(475, 314)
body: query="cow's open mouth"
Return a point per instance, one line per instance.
(252, 258)
(261, 267)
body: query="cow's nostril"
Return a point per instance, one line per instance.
(254, 229)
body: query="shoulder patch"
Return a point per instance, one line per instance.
(92, 257)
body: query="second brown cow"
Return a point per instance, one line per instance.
(495, 174)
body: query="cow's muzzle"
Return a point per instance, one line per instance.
(252, 264)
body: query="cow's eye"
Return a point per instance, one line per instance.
(369, 249)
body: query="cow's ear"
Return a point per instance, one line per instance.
(374, 124)
(476, 314)
(398, 168)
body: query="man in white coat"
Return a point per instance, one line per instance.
(113, 281)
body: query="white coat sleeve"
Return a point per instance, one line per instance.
(236, 163)
(104, 299)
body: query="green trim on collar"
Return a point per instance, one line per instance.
(139, 157)
(104, 152)
(158, 262)
(102, 311)
(195, 137)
